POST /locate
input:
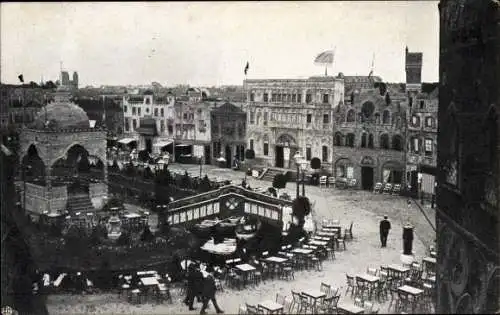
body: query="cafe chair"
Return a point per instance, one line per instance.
(322, 181)
(331, 181)
(351, 284)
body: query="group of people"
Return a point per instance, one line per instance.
(201, 286)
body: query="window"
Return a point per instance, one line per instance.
(134, 124)
(377, 118)
(156, 112)
(170, 129)
(266, 148)
(351, 116)
(363, 140)
(309, 118)
(299, 98)
(350, 140)
(162, 126)
(124, 109)
(325, 98)
(350, 172)
(251, 144)
(162, 112)
(252, 97)
(384, 141)
(266, 97)
(338, 139)
(273, 97)
(308, 153)
(428, 147)
(386, 117)
(252, 118)
(370, 141)
(429, 122)
(133, 110)
(415, 145)
(265, 118)
(326, 119)
(415, 121)
(422, 104)
(294, 98)
(308, 98)
(324, 153)
(185, 116)
(397, 143)
(147, 110)
(139, 111)
(127, 124)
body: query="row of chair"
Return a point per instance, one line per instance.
(387, 188)
(341, 182)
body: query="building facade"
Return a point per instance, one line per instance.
(468, 177)
(149, 120)
(228, 133)
(289, 115)
(369, 138)
(66, 83)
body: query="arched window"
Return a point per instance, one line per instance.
(363, 140)
(397, 143)
(351, 116)
(415, 121)
(384, 141)
(377, 118)
(370, 141)
(350, 139)
(386, 119)
(338, 139)
(429, 122)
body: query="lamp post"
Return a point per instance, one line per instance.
(297, 158)
(200, 160)
(303, 167)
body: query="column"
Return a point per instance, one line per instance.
(105, 179)
(48, 187)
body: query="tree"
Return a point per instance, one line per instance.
(315, 165)
(279, 181)
(301, 207)
(49, 85)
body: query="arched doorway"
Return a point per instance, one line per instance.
(32, 167)
(228, 156)
(367, 174)
(392, 172)
(285, 147)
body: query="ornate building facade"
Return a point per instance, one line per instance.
(369, 137)
(289, 115)
(228, 133)
(468, 240)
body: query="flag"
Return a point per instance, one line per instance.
(21, 78)
(246, 68)
(325, 57)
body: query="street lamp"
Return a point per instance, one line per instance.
(303, 167)
(301, 164)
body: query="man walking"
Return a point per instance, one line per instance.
(209, 289)
(192, 286)
(385, 226)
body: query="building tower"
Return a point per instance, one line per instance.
(75, 80)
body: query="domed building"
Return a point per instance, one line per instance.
(63, 160)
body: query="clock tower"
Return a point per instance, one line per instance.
(413, 67)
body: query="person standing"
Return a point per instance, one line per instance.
(208, 293)
(385, 226)
(191, 287)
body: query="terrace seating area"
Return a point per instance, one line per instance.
(387, 188)
(405, 289)
(339, 183)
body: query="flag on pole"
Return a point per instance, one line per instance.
(246, 68)
(21, 78)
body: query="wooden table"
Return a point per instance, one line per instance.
(271, 307)
(314, 295)
(413, 292)
(276, 260)
(398, 270)
(429, 260)
(149, 281)
(318, 243)
(246, 269)
(302, 251)
(350, 308)
(372, 280)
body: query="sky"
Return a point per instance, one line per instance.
(209, 43)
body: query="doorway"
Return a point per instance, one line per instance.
(279, 156)
(414, 183)
(367, 178)
(149, 145)
(228, 156)
(208, 156)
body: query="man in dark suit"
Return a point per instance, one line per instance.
(192, 286)
(385, 226)
(208, 294)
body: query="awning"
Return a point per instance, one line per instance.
(183, 145)
(126, 140)
(162, 143)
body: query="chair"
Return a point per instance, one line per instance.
(330, 252)
(372, 271)
(331, 181)
(325, 288)
(351, 284)
(322, 181)
(242, 310)
(252, 309)
(397, 189)
(329, 305)
(362, 288)
(305, 304)
(352, 183)
(280, 299)
(387, 188)
(358, 301)
(287, 306)
(381, 290)
(394, 298)
(295, 301)
(377, 188)
(348, 232)
(287, 272)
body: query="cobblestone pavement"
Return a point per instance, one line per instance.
(364, 209)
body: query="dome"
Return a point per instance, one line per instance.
(61, 115)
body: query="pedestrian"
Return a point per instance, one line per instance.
(385, 226)
(208, 293)
(190, 290)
